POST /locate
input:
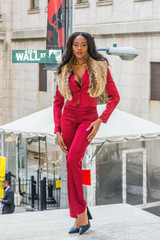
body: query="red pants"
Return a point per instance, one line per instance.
(74, 122)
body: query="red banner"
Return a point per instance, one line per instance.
(55, 24)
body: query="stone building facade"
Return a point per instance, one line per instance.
(22, 26)
(134, 23)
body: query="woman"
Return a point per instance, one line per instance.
(82, 76)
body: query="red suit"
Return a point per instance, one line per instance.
(77, 115)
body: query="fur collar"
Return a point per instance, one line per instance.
(97, 71)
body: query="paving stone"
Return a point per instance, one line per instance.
(110, 222)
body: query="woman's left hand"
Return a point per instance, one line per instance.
(95, 125)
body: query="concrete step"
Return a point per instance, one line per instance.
(110, 222)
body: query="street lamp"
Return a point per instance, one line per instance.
(125, 53)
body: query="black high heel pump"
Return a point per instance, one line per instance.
(89, 214)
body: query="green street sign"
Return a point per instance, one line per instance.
(36, 56)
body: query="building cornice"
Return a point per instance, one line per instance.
(29, 34)
(139, 27)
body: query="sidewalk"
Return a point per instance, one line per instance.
(19, 209)
(110, 222)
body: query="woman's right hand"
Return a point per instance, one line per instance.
(61, 143)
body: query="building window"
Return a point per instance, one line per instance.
(82, 1)
(34, 4)
(142, 0)
(42, 78)
(82, 4)
(104, 2)
(155, 81)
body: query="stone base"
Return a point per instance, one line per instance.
(111, 222)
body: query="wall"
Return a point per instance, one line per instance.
(127, 23)
(22, 28)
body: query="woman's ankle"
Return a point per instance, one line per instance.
(76, 224)
(83, 218)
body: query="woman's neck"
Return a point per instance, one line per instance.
(79, 61)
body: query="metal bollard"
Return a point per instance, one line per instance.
(32, 191)
(43, 194)
(50, 199)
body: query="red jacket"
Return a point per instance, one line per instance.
(81, 96)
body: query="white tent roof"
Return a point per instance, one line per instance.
(119, 126)
(40, 122)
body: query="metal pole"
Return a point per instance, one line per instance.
(54, 179)
(144, 177)
(65, 23)
(39, 159)
(17, 159)
(39, 171)
(38, 186)
(41, 193)
(70, 15)
(68, 19)
(124, 184)
(44, 194)
(32, 191)
(26, 159)
(46, 155)
(63, 192)
(2, 144)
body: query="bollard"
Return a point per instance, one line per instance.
(32, 191)
(50, 190)
(45, 202)
(43, 194)
(50, 199)
(19, 185)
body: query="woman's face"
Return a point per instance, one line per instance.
(80, 47)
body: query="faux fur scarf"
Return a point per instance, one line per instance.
(97, 71)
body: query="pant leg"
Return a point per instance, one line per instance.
(68, 126)
(79, 144)
(74, 123)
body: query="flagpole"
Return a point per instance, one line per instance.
(65, 23)
(68, 31)
(68, 19)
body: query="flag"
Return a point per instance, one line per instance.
(55, 24)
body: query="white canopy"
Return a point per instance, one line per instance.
(119, 126)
